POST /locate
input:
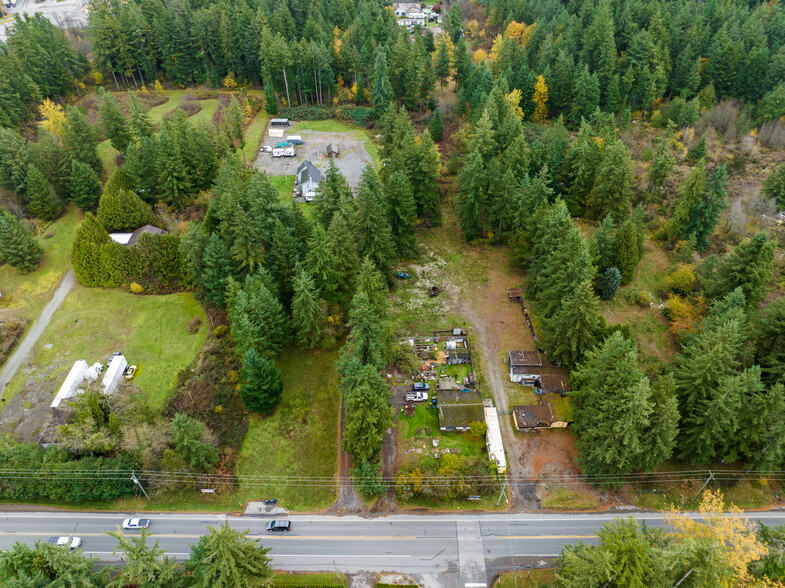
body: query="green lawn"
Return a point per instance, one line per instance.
(150, 331)
(428, 418)
(206, 113)
(300, 440)
(569, 499)
(308, 580)
(254, 134)
(108, 155)
(285, 186)
(526, 579)
(25, 295)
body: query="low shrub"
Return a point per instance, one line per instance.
(193, 324)
(680, 281)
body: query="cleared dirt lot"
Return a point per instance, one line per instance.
(352, 159)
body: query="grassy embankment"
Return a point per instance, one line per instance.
(300, 440)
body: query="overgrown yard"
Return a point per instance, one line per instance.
(647, 325)
(92, 323)
(25, 295)
(300, 440)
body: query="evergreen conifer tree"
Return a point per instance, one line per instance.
(401, 214)
(122, 210)
(381, 90)
(610, 280)
(270, 101)
(774, 186)
(627, 254)
(603, 244)
(373, 227)
(706, 212)
(749, 266)
(436, 126)
(113, 121)
(322, 264)
(17, 246)
(698, 152)
(81, 139)
(423, 176)
(585, 96)
(367, 332)
(41, 199)
(90, 236)
(661, 166)
(573, 330)
(261, 384)
(282, 260)
(614, 410)
(84, 187)
(343, 244)
(306, 312)
(770, 333)
(613, 182)
(218, 269)
(139, 122)
(472, 191)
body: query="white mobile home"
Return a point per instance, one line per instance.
(114, 373)
(71, 383)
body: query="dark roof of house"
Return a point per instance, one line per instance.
(518, 358)
(533, 416)
(331, 148)
(145, 230)
(308, 171)
(459, 409)
(526, 370)
(555, 382)
(458, 353)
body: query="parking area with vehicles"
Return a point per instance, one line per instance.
(352, 159)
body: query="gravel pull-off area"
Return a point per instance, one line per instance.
(352, 159)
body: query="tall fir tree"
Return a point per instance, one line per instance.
(614, 411)
(122, 210)
(770, 334)
(261, 385)
(373, 228)
(627, 253)
(84, 187)
(41, 199)
(218, 269)
(17, 246)
(603, 244)
(613, 182)
(343, 244)
(113, 121)
(306, 312)
(661, 166)
(381, 90)
(774, 186)
(322, 263)
(436, 126)
(401, 214)
(749, 266)
(81, 139)
(704, 216)
(472, 191)
(139, 122)
(573, 330)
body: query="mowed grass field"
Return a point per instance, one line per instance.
(150, 331)
(25, 295)
(300, 440)
(253, 134)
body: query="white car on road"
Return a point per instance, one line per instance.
(69, 542)
(132, 524)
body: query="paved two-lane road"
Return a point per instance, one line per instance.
(463, 549)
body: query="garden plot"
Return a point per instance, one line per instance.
(352, 159)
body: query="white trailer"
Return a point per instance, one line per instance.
(71, 383)
(284, 152)
(277, 133)
(114, 373)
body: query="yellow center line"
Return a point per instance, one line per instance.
(546, 536)
(178, 536)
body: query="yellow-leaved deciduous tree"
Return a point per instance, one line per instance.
(514, 100)
(496, 47)
(479, 56)
(229, 82)
(732, 531)
(53, 118)
(473, 29)
(520, 31)
(337, 42)
(158, 86)
(540, 99)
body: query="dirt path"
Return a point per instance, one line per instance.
(347, 501)
(26, 346)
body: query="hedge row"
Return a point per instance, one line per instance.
(359, 115)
